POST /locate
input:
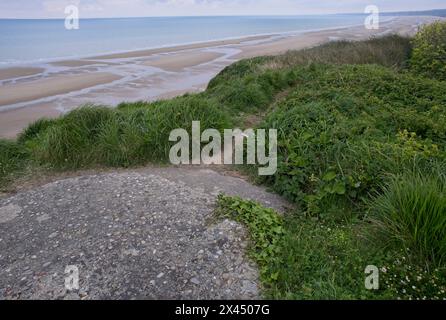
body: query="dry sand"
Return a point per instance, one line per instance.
(18, 72)
(177, 70)
(180, 61)
(11, 94)
(13, 121)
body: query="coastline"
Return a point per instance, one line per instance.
(180, 46)
(34, 91)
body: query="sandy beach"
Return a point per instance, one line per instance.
(30, 92)
(17, 72)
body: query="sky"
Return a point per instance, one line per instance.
(147, 8)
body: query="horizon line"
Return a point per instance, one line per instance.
(234, 15)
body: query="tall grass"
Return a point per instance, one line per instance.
(411, 213)
(391, 51)
(96, 135)
(13, 158)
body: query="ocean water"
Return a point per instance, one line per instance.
(23, 41)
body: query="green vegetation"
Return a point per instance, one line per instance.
(265, 228)
(429, 52)
(410, 213)
(13, 159)
(309, 258)
(362, 154)
(344, 128)
(132, 134)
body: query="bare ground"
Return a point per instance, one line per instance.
(138, 234)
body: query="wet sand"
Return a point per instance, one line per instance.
(48, 90)
(149, 52)
(75, 63)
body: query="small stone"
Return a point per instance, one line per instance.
(53, 235)
(9, 212)
(43, 217)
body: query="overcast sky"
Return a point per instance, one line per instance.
(131, 8)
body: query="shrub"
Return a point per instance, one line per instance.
(410, 212)
(429, 52)
(343, 128)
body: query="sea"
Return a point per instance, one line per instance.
(40, 40)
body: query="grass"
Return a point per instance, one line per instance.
(354, 123)
(137, 133)
(126, 136)
(410, 213)
(391, 51)
(13, 160)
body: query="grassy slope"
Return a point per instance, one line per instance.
(350, 114)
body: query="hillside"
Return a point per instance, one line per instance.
(362, 155)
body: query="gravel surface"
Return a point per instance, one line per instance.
(146, 234)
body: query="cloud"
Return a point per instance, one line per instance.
(116, 8)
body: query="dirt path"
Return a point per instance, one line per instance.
(141, 234)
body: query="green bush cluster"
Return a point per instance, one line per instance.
(345, 128)
(429, 52)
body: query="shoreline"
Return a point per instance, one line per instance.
(179, 46)
(47, 90)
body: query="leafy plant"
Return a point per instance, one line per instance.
(344, 128)
(265, 227)
(429, 52)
